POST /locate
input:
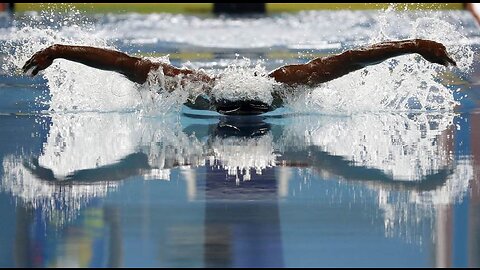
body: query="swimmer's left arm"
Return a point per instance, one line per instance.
(324, 69)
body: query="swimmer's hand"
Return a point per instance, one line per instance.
(434, 52)
(39, 61)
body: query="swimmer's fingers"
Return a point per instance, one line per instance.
(435, 52)
(442, 54)
(31, 69)
(34, 71)
(31, 66)
(443, 59)
(28, 65)
(39, 61)
(449, 60)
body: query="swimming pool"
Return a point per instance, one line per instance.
(378, 168)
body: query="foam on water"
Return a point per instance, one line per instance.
(72, 86)
(399, 84)
(242, 82)
(162, 93)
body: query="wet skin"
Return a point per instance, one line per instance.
(312, 73)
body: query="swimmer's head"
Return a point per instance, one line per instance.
(242, 107)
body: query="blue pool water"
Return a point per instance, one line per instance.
(380, 168)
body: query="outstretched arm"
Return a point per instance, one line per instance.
(134, 68)
(324, 69)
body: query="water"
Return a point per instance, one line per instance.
(377, 168)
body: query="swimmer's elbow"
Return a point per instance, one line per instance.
(138, 73)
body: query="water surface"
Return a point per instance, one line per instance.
(378, 168)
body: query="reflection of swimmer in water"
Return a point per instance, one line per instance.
(314, 72)
(310, 156)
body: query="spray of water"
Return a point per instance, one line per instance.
(242, 82)
(402, 83)
(399, 84)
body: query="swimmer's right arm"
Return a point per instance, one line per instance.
(134, 68)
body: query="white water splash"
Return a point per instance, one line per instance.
(241, 82)
(72, 86)
(406, 85)
(399, 84)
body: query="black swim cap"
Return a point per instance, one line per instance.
(242, 107)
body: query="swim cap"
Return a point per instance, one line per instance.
(241, 107)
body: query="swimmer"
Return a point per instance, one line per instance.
(312, 73)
